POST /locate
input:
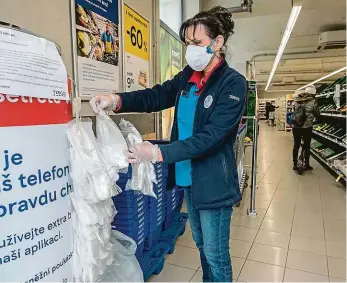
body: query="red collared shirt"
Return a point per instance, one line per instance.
(200, 82)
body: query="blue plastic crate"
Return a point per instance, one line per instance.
(132, 216)
(155, 201)
(140, 250)
(136, 208)
(136, 236)
(126, 194)
(155, 207)
(171, 207)
(155, 222)
(177, 228)
(153, 238)
(171, 193)
(127, 175)
(160, 183)
(169, 217)
(170, 198)
(159, 190)
(135, 226)
(154, 215)
(153, 260)
(127, 198)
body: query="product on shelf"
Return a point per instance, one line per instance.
(330, 141)
(336, 130)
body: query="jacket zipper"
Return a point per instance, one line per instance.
(225, 168)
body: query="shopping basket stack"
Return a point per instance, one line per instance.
(174, 199)
(156, 207)
(132, 216)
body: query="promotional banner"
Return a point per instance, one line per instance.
(35, 208)
(97, 40)
(170, 65)
(31, 66)
(136, 50)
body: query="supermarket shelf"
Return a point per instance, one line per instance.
(328, 94)
(333, 115)
(315, 154)
(325, 94)
(336, 141)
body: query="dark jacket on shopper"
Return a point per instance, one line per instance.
(214, 170)
(311, 108)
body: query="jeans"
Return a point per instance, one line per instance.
(306, 135)
(211, 232)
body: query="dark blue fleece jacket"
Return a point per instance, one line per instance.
(218, 112)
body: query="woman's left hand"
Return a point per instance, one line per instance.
(144, 152)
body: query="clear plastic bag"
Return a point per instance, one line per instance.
(143, 174)
(94, 185)
(86, 151)
(128, 269)
(111, 141)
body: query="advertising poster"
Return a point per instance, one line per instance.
(171, 50)
(136, 50)
(97, 41)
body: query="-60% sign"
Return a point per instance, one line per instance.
(137, 39)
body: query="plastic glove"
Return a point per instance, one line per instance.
(143, 152)
(104, 102)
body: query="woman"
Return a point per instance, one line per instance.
(267, 111)
(303, 130)
(210, 100)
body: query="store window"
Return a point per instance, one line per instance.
(171, 60)
(171, 13)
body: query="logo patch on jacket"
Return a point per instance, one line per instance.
(234, 97)
(208, 101)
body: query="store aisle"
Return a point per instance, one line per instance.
(298, 235)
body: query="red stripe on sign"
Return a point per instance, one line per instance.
(26, 111)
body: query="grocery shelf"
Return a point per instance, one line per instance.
(325, 94)
(339, 173)
(331, 125)
(334, 140)
(333, 115)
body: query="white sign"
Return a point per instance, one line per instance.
(35, 208)
(136, 73)
(31, 66)
(97, 78)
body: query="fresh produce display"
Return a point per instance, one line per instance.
(330, 139)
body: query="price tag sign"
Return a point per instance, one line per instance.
(136, 34)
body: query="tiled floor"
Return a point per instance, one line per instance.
(299, 234)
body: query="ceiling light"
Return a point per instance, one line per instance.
(326, 76)
(290, 25)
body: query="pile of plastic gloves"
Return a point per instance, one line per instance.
(95, 164)
(143, 173)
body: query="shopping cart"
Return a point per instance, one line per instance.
(271, 118)
(239, 151)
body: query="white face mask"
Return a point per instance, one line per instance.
(198, 57)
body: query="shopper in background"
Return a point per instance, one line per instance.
(210, 100)
(267, 111)
(303, 130)
(271, 114)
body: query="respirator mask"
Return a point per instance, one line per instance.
(198, 57)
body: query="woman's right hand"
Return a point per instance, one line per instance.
(107, 102)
